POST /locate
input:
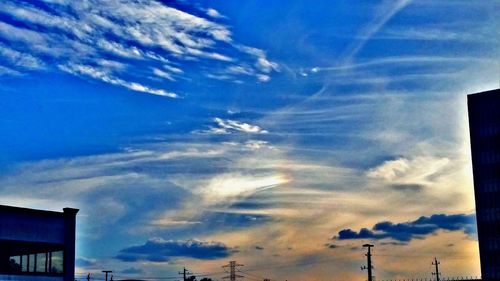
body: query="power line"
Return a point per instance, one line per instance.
(149, 277)
(254, 275)
(417, 256)
(201, 274)
(252, 278)
(208, 273)
(294, 264)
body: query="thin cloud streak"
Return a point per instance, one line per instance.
(228, 126)
(403, 60)
(383, 14)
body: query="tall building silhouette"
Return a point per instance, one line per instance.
(484, 125)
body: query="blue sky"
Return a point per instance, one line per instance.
(282, 134)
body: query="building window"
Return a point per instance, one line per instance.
(24, 263)
(31, 263)
(45, 262)
(15, 264)
(56, 262)
(41, 262)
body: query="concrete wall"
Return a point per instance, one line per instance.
(32, 227)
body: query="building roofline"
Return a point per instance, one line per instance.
(36, 211)
(484, 94)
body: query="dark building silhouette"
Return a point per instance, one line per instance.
(484, 124)
(37, 245)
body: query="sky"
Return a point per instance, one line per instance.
(280, 134)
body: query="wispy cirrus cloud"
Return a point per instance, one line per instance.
(401, 61)
(425, 34)
(409, 171)
(74, 36)
(9, 71)
(383, 13)
(15, 58)
(230, 186)
(102, 75)
(163, 174)
(228, 126)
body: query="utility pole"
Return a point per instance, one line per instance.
(107, 271)
(185, 273)
(436, 263)
(232, 271)
(369, 266)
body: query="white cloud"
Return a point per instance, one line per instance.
(172, 223)
(225, 187)
(315, 69)
(163, 74)
(409, 171)
(120, 50)
(213, 13)
(238, 69)
(221, 77)
(149, 33)
(263, 64)
(426, 34)
(266, 65)
(227, 126)
(173, 69)
(261, 70)
(218, 56)
(105, 77)
(20, 59)
(257, 144)
(263, 78)
(8, 71)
